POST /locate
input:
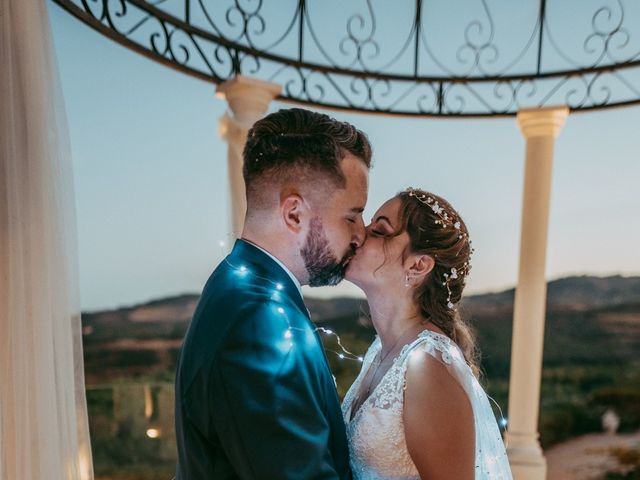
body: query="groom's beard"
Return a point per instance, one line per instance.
(323, 267)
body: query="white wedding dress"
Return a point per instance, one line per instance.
(376, 432)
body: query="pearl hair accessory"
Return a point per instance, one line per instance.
(242, 271)
(453, 276)
(445, 219)
(345, 354)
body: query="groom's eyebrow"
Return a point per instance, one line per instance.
(357, 209)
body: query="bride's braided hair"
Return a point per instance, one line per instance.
(437, 230)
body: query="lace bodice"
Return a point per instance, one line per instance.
(376, 432)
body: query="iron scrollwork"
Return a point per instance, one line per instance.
(420, 58)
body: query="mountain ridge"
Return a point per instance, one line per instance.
(589, 321)
(578, 293)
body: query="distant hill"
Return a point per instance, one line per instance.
(571, 293)
(589, 320)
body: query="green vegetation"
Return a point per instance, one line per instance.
(573, 401)
(629, 461)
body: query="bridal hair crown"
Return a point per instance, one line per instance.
(445, 219)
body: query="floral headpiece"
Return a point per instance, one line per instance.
(445, 220)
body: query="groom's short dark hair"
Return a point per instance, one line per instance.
(295, 145)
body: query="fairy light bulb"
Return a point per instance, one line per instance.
(344, 354)
(503, 420)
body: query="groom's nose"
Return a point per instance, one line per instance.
(359, 233)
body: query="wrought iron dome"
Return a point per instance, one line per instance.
(463, 58)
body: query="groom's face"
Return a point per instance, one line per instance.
(337, 230)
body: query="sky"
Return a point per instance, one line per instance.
(151, 178)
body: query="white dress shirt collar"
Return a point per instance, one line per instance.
(284, 267)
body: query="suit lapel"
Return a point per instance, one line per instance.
(244, 253)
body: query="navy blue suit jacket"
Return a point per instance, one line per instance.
(255, 398)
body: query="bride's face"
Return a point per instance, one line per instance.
(380, 262)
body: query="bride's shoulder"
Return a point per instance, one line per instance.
(437, 410)
(435, 361)
(436, 347)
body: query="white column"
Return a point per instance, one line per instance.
(540, 127)
(248, 100)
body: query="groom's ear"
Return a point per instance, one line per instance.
(421, 265)
(293, 211)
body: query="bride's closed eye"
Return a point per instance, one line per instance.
(380, 227)
(379, 230)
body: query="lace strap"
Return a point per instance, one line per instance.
(440, 347)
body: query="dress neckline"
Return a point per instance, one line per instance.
(421, 335)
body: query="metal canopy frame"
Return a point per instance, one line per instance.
(421, 58)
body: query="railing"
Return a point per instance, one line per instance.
(453, 59)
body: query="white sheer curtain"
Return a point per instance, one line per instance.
(43, 419)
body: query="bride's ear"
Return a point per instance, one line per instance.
(294, 212)
(420, 265)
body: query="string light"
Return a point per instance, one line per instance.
(503, 421)
(222, 245)
(344, 354)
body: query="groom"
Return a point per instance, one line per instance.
(254, 395)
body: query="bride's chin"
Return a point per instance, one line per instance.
(350, 275)
(354, 276)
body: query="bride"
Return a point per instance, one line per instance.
(416, 410)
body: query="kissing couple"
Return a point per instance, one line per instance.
(255, 398)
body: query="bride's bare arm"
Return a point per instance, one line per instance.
(438, 421)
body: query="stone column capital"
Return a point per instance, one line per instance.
(542, 122)
(248, 98)
(231, 130)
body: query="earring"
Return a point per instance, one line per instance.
(406, 280)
